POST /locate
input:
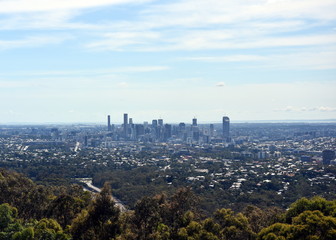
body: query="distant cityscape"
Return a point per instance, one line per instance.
(158, 131)
(284, 159)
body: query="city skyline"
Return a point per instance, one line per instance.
(79, 61)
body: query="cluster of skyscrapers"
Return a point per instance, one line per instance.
(157, 131)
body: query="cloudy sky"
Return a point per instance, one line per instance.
(79, 60)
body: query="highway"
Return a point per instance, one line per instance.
(93, 188)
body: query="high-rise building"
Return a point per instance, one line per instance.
(194, 122)
(182, 126)
(139, 130)
(327, 156)
(154, 123)
(160, 122)
(125, 124)
(109, 123)
(226, 129)
(167, 131)
(212, 130)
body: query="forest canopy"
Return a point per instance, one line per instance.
(31, 211)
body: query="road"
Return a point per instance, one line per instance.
(118, 203)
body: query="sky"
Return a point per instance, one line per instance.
(64, 61)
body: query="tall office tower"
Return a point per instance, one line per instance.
(130, 130)
(109, 123)
(167, 131)
(154, 123)
(182, 126)
(212, 130)
(226, 129)
(327, 156)
(125, 124)
(160, 122)
(139, 130)
(182, 133)
(194, 122)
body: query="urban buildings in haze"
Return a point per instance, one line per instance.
(160, 132)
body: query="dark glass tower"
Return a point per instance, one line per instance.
(327, 156)
(226, 129)
(194, 122)
(109, 123)
(125, 124)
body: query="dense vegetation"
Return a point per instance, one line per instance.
(31, 211)
(129, 185)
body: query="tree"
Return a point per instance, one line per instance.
(100, 221)
(147, 217)
(306, 219)
(328, 208)
(64, 208)
(8, 222)
(259, 219)
(233, 226)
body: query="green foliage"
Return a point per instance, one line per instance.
(36, 201)
(49, 229)
(25, 234)
(306, 219)
(64, 208)
(162, 217)
(100, 221)
(11, 227)
(328, 208)
(260, 219)
(233, 226)
(8, 222)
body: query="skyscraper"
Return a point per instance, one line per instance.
(212, 130)
(194, 122)
(125, 124)
(109, 123)
(327, 156)
(167, 131)
(154, 123)
(226, 129)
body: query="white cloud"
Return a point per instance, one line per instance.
(220, 84)
(229, 58)
(13, 6)
(32, 41)
(123, 84)
(201, 13)
(306, 109)
(51, 20)
(308, 58)
(326, 109)
(185, 24)
(91, 72)
(207, 40)
(123, 40)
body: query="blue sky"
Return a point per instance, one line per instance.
(78, 61)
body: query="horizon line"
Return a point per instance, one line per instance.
(199, 122)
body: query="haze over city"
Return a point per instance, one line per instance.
(79, 61)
